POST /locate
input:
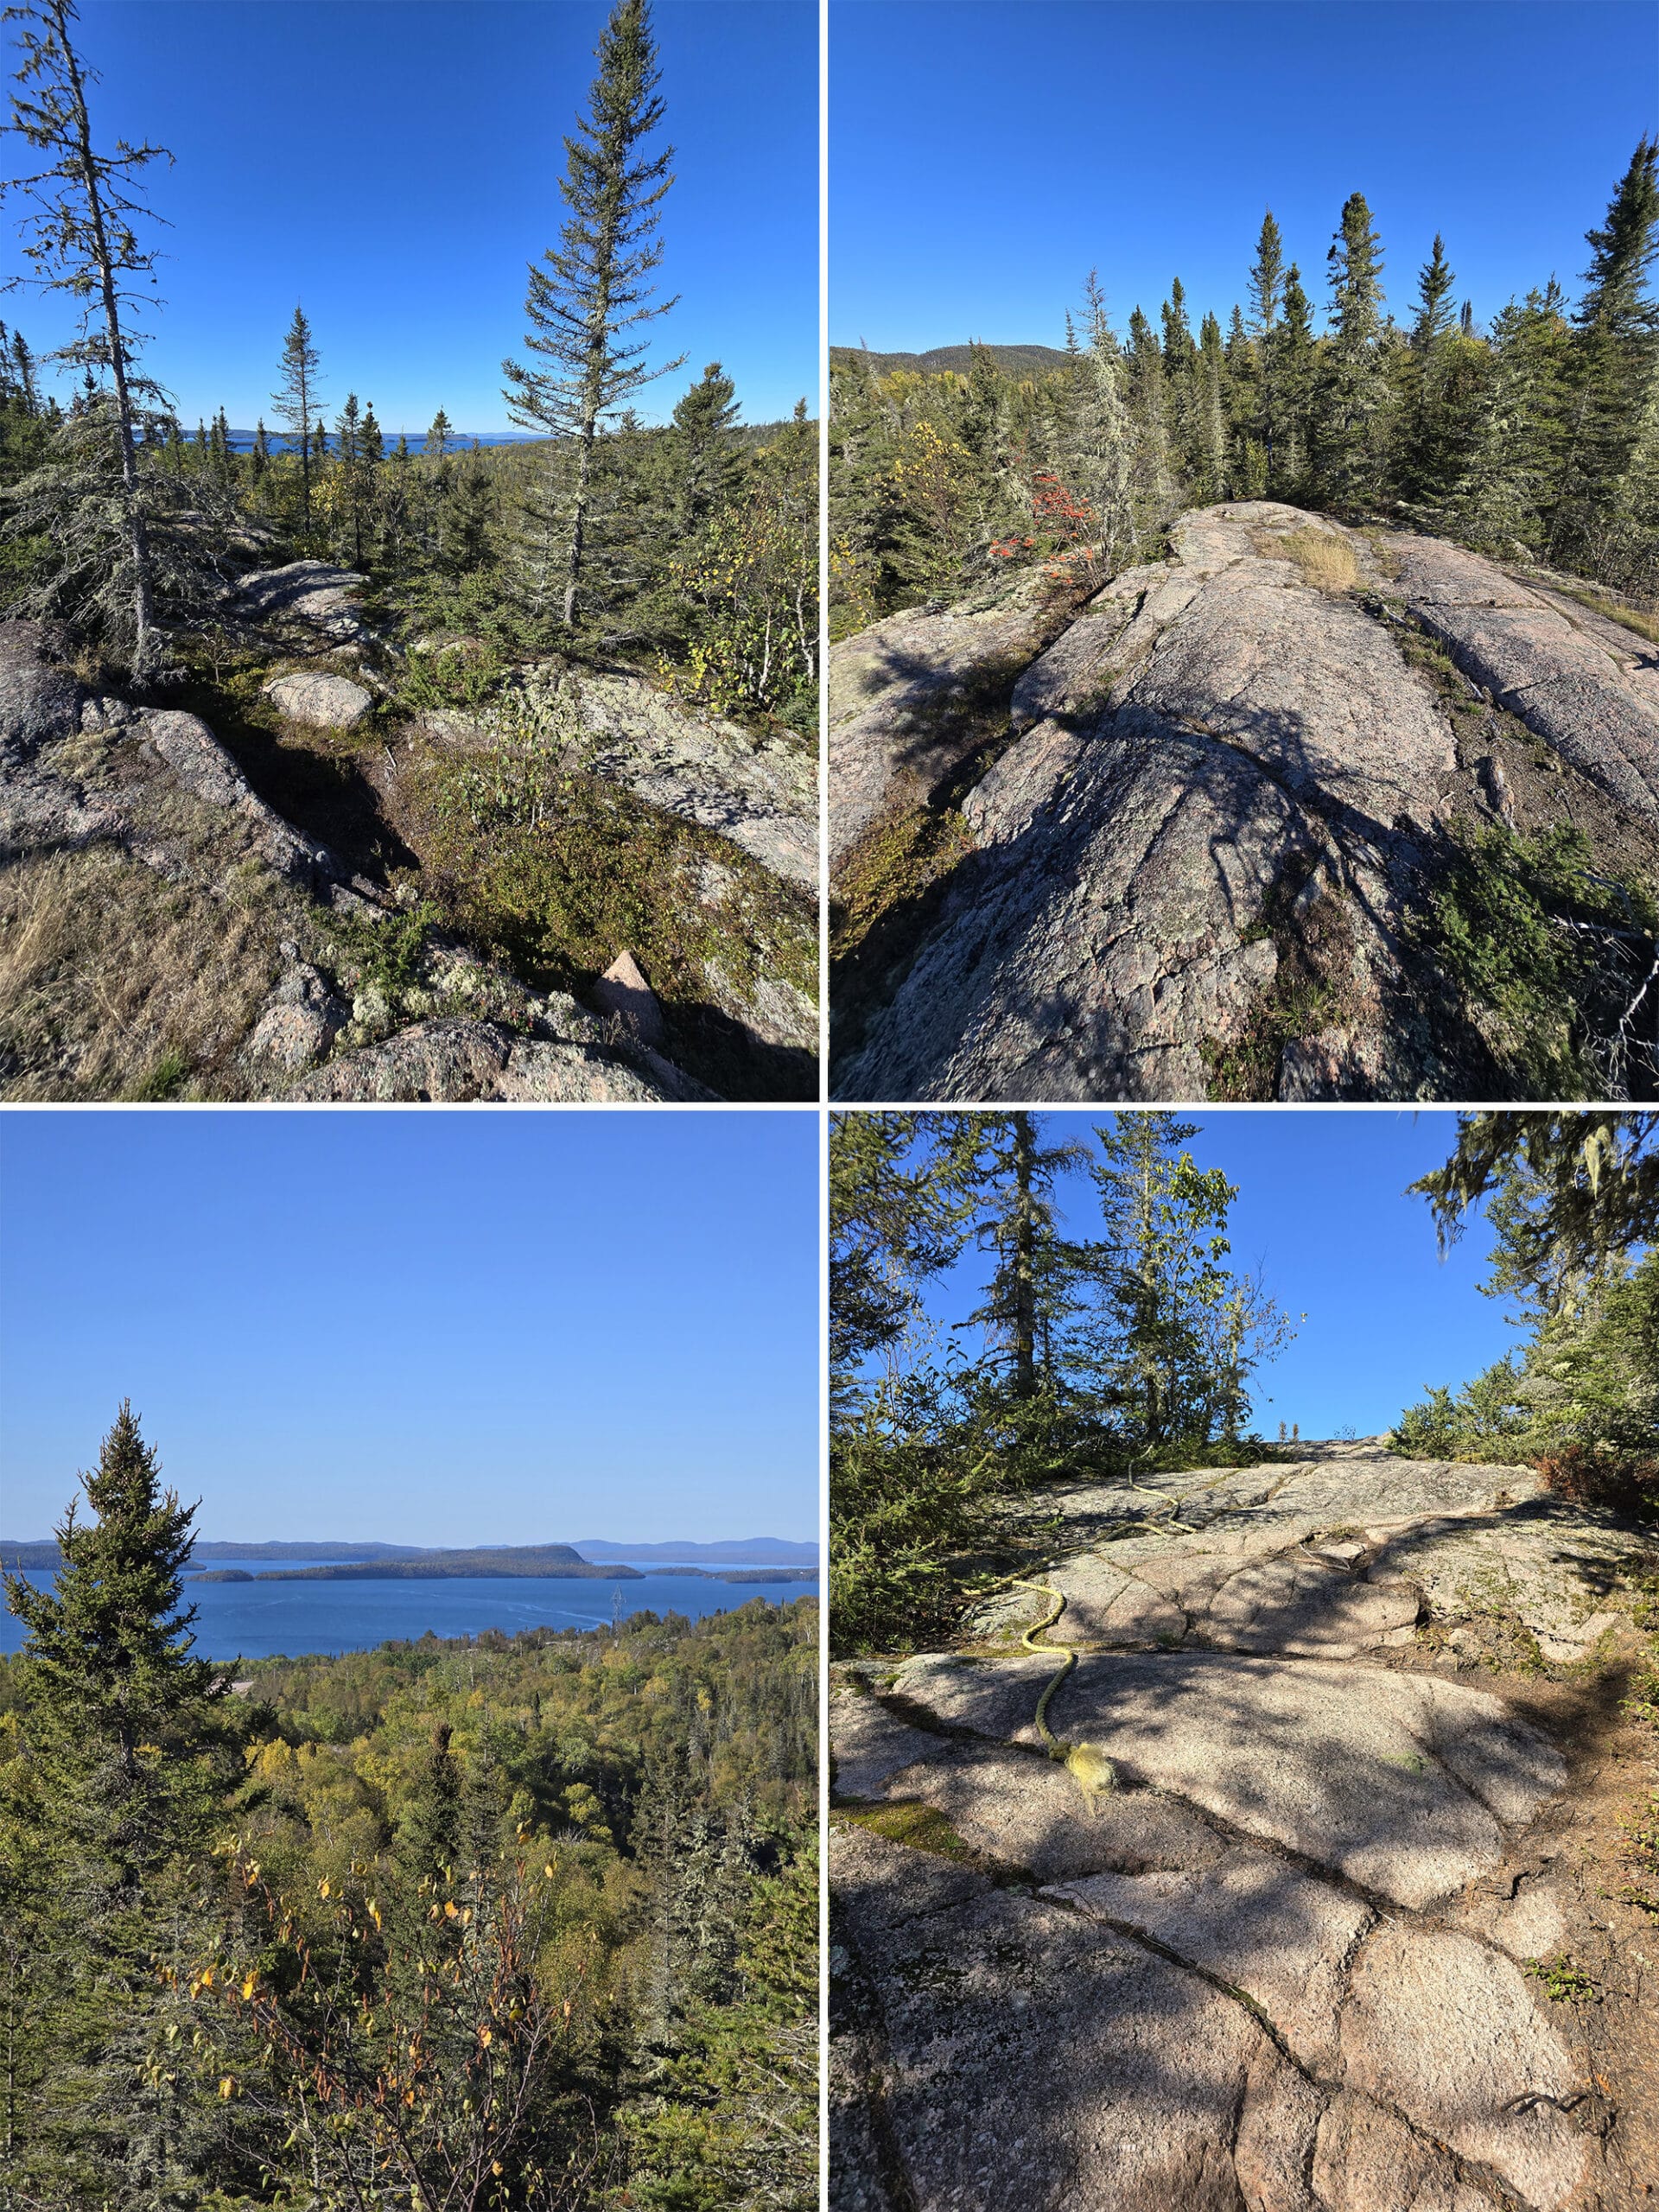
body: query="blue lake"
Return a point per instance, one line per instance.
(260, 1620)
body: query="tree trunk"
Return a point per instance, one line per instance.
(144, 597)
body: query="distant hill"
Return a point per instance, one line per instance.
(739, 1551)
(41, 1554)
(1034, 360)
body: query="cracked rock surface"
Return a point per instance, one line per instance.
(1220, 783)
(1283, 1963)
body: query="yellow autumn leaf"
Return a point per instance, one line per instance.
(250, 1984)
(484, 2038)
(228, 2087)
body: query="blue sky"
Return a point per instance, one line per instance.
(394, 164)
(422, 1327)
(985, 156)
(1321, 1208)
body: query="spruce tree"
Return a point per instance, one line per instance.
(1096, 439)
(1295, 363)
(1353, 387)
(1212, 417)
(294, 400)
(1266, 281)
(707, 461)
(1428, 459)
(1615, 365)
(593, 292)
(121, 1740)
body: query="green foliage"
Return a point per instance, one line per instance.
(1571, 1198)
(1538, 435)
(1548, 950)
(524, 1922)
(388, 955)
(1564, 1982)
(1096, 1358)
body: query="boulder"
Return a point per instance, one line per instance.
(623, 992)
(298, 1023)
(205, 770)
(320, 702)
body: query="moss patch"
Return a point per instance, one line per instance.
(907, 1820)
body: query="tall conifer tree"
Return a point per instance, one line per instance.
(594, 293)
(295, 399)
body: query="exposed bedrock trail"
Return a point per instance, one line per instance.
(1284, 1963)
(1224, 782)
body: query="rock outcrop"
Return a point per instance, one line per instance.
(1224, 787)
(1284, 1962)
(162, 922)
(310, 595)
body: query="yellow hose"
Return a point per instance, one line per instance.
(1087, 1763)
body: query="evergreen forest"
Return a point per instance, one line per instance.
(1132, 1343)
(1532, 435)
(525, 1921)
(675, 560)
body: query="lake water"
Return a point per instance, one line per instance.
(264, 1620)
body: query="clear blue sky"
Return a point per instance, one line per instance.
(984, 155)
(395, 165)
(1321, 1208)
(423, 1327)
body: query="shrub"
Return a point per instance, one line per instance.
(1591, 1475)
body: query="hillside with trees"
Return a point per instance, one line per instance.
(525, 1921)
(1370, 603)
(525, 733)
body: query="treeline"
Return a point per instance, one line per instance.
(524, 1922)
(1536, 436)
(1572, 1200)
(1130, 1348)
(692, 543)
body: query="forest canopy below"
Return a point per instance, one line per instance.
(1533, 437)
(525, 1921)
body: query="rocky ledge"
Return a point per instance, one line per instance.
(1208, 809)
(157, 916)
(1297, 1959)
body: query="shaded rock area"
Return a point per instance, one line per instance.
(307, 595)
(1290, 1961)
(162, 924)
(1206, 810)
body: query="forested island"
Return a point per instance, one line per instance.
(493, 1560)
(1301, 1793)
(500, 761)
(1371, 607)
(525, 1921)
